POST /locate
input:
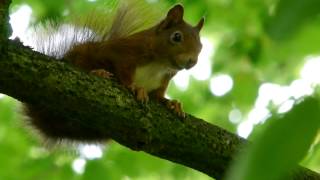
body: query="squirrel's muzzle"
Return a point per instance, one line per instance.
(190, 63)
(185, 61)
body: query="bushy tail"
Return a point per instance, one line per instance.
(114, 20)
(54, 128)
(102, 24)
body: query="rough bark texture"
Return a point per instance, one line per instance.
(5, 29)
(109, 109)
(112, 111)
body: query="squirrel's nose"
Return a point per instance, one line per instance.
(190, 63)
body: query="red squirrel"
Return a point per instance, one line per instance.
(144, 61)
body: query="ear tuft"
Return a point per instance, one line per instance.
(200, 24)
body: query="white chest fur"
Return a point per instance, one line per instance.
(151, 75)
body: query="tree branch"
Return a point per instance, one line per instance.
(107, 108)
(5, 28)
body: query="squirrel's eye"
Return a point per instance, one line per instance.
(176, 37)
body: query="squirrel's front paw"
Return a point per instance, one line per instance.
(101, 73)
(176, 107)
(140, 93)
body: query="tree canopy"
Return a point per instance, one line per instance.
(259, 59)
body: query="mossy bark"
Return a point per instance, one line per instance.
(5, 28)
(111, 110)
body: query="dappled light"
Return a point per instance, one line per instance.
(259, 60)
(310, 71)
(235, 116)
(221, 84)
(79, 165)
(90, 151)
(20, 21)
(255, 116)
(202, 70)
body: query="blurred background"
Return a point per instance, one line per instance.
(258, 59)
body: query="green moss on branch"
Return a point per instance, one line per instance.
(104, 106)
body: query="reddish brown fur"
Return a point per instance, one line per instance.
(123, 56)
(151, 51)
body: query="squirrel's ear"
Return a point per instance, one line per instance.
(200, 24)
(176, 13)
(174, 16)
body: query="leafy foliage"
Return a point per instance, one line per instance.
(280, 145)
(254, 42)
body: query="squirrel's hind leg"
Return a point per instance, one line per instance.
(140, 93)
(176, 107)
(173, 105)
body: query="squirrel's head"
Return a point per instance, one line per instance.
(177, 41)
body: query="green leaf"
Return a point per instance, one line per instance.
(282, 144)
(290, 16)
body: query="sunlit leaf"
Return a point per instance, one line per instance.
(283, 143)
